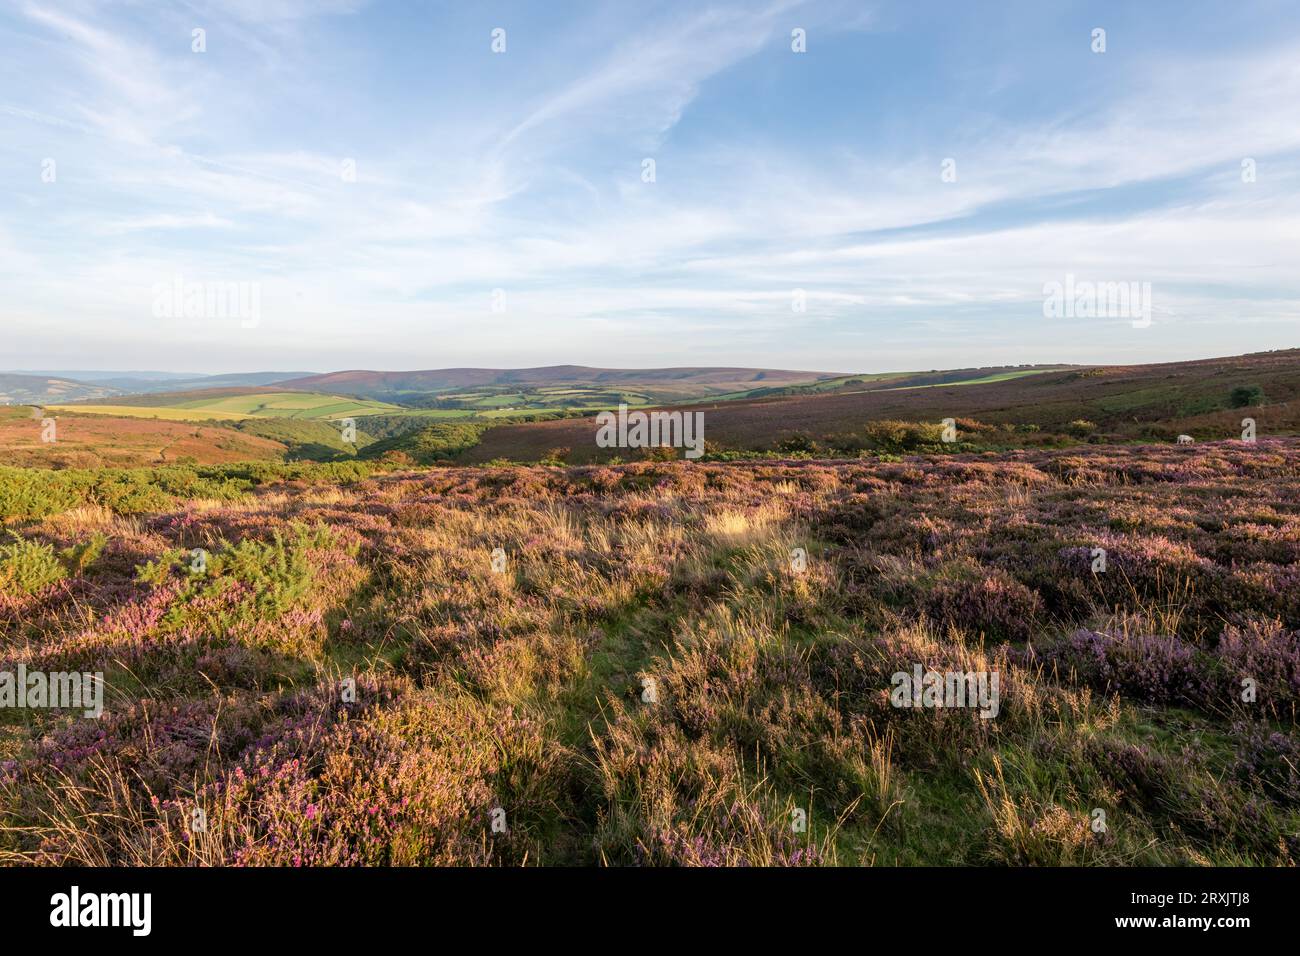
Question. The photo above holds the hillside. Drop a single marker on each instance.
(666, 381)
(1122, 403)
(832, 416)
(87, 441)
(19, 389)
(48, 387)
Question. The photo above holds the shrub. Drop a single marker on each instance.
(81, 556)
(1244, 396)
(1151, 668)
(441, 441)
(36, 493)
(798, 442)
(658, 453)
(1268, 654)
(28, 566)
(889, 436)
(1267, 760)
(996, 605)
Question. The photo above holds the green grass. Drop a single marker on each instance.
(1139, 399)
(985, 380)
(136, 411)
(308, 405)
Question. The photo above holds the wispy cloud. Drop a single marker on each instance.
(381, 174)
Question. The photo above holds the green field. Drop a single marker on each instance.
(496, 400)
(148, 411)
(253, 405)
(984, 380)
(490, 402)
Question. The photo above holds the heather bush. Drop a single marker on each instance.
(993, 604)
(1150, 668)
(1268, 654)
(1267, 760)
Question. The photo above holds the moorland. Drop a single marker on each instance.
(474, 416)
(469, 641)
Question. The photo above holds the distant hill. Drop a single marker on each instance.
(234, 380)
(26, 389)
(667, 383)
(110, 378)
(546, 413)
(42, 387)
(1121, 403)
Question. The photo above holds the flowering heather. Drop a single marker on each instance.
(662, 663)
(1146, 667)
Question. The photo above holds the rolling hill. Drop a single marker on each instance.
(30, 389)
(528, 415)
(42, 387)
(666, 384)
(1122, 403)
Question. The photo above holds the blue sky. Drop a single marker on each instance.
(499, 214)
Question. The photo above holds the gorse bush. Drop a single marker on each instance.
(798, 442)
(278, 571)
(888, 436)
(900, 437)
(79, 557)
(28, 566)
(35, 493)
